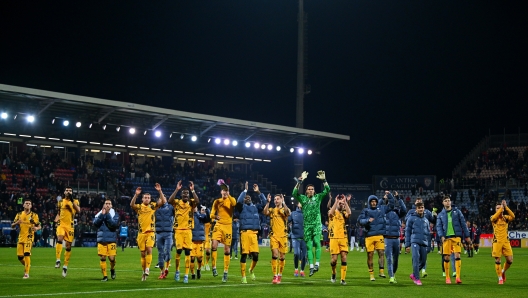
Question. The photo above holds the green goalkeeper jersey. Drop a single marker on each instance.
(311, 207)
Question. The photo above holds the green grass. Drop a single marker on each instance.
(478, 276)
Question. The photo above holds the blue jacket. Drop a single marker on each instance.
(106, 227)
(249, 214)
(417, 230)
(377, 226)
(198, 232)
(297, 224)
(459, 223)
(164, 218)
(392, 219)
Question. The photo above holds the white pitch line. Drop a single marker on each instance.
(129, 290)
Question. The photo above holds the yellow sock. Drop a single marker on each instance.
(381, 271)
(243, 269)
(458, 265)
(343, 272)
(148, 261)
(253, 265)
(67, 255)
(227, 261)
(371, 271)
(281, 266)
(103, 267)
(58, 251)
(446, 269)
(498, 270)
(143, 263)
(214, 254)
(187, 264)
(178, 257)
(27, 264)
(274, 266)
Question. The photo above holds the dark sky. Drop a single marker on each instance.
(416, 84)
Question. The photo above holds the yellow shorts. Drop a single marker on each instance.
(23, 248)
(197, 249)
(500, 249)
(223, 233)
(249, 242)
(279, 243)
(337, 245)
(374, 243)
(66, 232)
(106, 249)
(183, 239)
(145, 240)
(452, 244)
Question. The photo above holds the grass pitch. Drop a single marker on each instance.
(84, 278)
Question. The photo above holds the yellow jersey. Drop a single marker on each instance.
(28, 221)
(67, 213)
(278, 219)
(500, 224)
(183, 214)
(337, 226)
(225, 209)
(146, 218)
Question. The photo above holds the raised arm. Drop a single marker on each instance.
(266, 207)
(195, 196)
(287, 210)
(161, 200)
(242, 195)
(173, 195)
(133, 200)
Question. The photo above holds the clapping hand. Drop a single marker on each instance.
(321, 175)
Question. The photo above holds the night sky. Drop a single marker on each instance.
(416, 84)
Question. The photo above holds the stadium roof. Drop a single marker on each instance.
(50, 109)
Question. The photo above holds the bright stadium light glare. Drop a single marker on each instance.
(53, 121)
(104, 127)
(278, 148)
(65, 122)
(182, 136)
(218, 141)
(226, 142)
(300, 150)
(90, 126)
(270, 146)
(194, 138)
(257, 145)
(292, 150)
(145, 133)
(157, 133)
(4, 115)
(118, 128)
(234, 143)
(132, 130)
(309, 152)
(78, 124)
(263, 146)
(248, 144)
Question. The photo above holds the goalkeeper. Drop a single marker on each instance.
(311, 207)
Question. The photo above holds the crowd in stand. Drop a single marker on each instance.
(40, 183)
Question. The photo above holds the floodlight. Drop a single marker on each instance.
(65, 122)
(309, 152)
(78, 124)
(194, 138)
(234, 143)
(158, 133)
(226, 142)
(300, 150)
(270, 146)
(132, 130)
